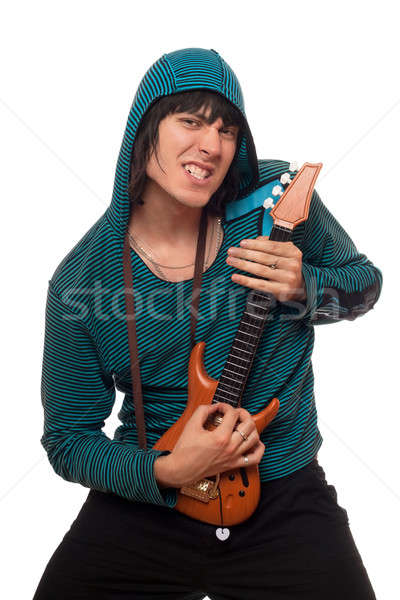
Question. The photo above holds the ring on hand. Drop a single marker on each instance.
(246, 460)
(244, 436)
(273, 266)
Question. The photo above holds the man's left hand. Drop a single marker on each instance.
(256, 256)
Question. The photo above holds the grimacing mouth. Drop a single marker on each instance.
(210, 172)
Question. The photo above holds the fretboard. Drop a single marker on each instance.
(237, 367)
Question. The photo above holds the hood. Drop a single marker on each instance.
(187, 69)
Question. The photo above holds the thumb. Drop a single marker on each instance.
(205, 410)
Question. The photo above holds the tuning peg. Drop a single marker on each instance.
(285, 178)
(293, 166)
(277, 190)
(268, 203)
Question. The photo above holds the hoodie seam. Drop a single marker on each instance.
(165, 56)
(222, 84)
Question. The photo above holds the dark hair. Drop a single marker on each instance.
(147, 138)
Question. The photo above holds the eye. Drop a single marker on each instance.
(230, 131)
(224, 130)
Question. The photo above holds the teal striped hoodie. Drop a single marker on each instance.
(86, 353)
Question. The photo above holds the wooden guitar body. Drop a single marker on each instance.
(239, 489)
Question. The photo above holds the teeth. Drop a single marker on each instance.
(196, 171)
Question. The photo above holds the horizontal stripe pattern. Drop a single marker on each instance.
(86, 352)
(87, 357)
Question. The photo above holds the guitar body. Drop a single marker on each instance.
(239, 489)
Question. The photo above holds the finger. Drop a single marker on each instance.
(245, 420)
(243, 413)
(242, 445)
(260, 256)
(279, 274)
(254, 455)
(289, 249)
(285, 249)
(230, 416)
(281, 291)
(205, 411)
(262, 285)
(245, 428)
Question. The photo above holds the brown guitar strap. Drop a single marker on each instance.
(131, 320)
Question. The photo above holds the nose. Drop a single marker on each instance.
(210, 141)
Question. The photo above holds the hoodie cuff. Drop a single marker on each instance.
(147, 483)
(314, 291)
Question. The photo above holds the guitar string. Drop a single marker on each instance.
(277, 234)
(236, 369)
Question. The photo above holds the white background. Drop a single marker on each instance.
(320, 81)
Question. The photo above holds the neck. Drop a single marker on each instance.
(163, 221)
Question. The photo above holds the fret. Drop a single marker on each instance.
(256, 305)
(226, 401)
(234, 404)
(280, 234)
(239, 341)
(230, 370)
(229, 362)
(250, 315)
(245, 332)
(256, 326)
(260, 306)
(244, 366)
(246, 361)
(227, 376)
(227, 385)
(247, 352)
(226, 392)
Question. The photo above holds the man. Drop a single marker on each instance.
(188, 160)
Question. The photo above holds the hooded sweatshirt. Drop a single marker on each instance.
(86, 352)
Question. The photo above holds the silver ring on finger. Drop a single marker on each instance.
(273, 266)
(244, 436)
(246, 460)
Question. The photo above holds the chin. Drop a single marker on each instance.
(193, 201)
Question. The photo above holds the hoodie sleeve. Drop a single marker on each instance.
(340, 282)
(77, 396)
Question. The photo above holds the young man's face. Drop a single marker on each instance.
(186, 139)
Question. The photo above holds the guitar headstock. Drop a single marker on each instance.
(293, 206)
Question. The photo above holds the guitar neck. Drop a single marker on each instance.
(237, 367)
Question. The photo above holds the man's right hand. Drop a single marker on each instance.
(200, 453)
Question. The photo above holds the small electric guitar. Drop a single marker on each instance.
(231, 497)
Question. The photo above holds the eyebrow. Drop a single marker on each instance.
(204, 120)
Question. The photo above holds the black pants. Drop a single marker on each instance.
(297, 544)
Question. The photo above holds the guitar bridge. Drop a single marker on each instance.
(203, 490)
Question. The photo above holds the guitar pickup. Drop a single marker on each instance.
(245, 479)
